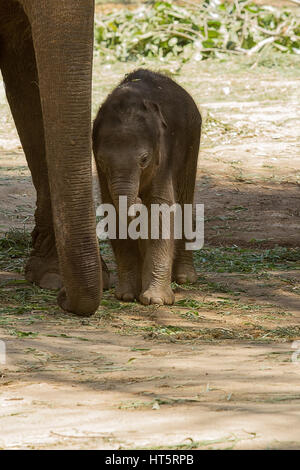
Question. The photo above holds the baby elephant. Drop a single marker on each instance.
(146, 140)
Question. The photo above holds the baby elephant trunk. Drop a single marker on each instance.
(124, 185)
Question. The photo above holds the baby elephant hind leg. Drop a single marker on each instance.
(183, 266)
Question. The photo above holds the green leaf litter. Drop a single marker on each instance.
(214, 27)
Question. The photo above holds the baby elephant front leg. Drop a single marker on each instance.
(129, 276)
(157, 271)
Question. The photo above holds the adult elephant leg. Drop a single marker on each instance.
(21, 83)
(62, 34)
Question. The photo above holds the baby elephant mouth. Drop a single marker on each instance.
(136, 201)
(123, 203)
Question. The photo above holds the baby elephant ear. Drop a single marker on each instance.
(154, 107)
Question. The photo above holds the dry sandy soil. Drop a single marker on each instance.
(220, 368)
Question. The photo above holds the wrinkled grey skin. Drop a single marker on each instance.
(146, 140)
(46, 50)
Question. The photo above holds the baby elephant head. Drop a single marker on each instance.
(127, 142)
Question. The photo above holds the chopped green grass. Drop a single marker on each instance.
(14, 249)
(246, 260)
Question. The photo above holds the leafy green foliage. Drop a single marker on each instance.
(166, 30)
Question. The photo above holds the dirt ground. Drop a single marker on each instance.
(220, 369)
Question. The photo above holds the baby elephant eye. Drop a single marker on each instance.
(143, 160)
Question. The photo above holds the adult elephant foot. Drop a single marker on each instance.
(39, 272)
(44, 272)
(42, 268)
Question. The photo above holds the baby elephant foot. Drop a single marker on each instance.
(185, 274)
(157, 295)
(126, 291)
(125, 296)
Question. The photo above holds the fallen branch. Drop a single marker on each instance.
(259, 46)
